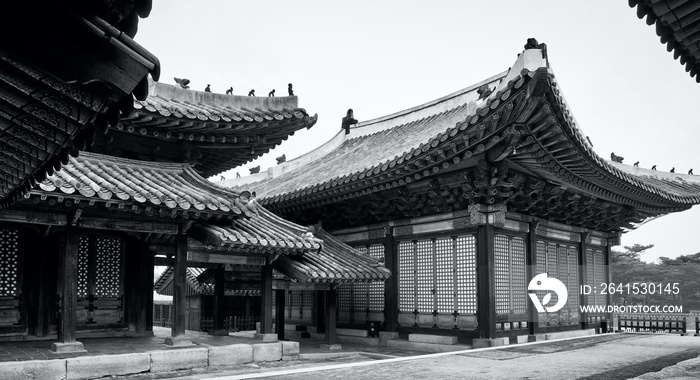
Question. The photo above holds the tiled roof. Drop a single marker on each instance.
(240, 128)
(369, 154)
(61, 74)
(173, 187)
(524, 124)
(301, 260)
(336, 263)
(678, 26)
(262, 232)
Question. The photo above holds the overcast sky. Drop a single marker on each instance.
(378, 57)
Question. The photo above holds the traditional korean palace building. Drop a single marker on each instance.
(77, 250)
(467, 198)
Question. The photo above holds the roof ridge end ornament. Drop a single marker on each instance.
(533, 44)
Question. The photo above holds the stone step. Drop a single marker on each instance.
(432, 339)
(425, 347)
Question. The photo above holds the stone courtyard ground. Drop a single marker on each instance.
(611, 356)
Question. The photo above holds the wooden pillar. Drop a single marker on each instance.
(132, 288)
(219, 301)
(68, 293)
(485, 282)
(248, 301)
(331, 339)
(533, 316)
(582, 279)
(266, 307)
(177, 331)
(145, 318)
(391, 286)
(279, 311)
(608, 296)
(320, 311)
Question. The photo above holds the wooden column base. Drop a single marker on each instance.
(62, 348)
(266, 337)
(178, 342)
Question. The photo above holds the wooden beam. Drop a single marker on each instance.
(33, 217)
(289, 285)
(225, 258)
(127, 225)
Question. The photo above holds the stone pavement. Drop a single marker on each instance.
(608, 357)
(23, 359)
(40, 350)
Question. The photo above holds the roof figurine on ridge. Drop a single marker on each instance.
(183, 82)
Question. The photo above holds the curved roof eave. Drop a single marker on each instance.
(526, 121)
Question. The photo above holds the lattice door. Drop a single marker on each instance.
(425, 288)
(10, 283)
(407, 277)
(501, 250)
(600, 274)
(518, 280)
(100, 279)
(465, 274)
(509, 257)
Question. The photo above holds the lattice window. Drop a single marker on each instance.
(541, 257)
(465, 274)
(501, 250)
(425, 276)
(444, 273)
(9, 262)
(344, 297)
(552, 260)
(83, 265)
(572, 252)
(359, 296)
(407, 279)
(307, 299)
(518, 282)
(294, 299)
(376, 289)
(600, 275)
(590, 278)
(108, 267)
